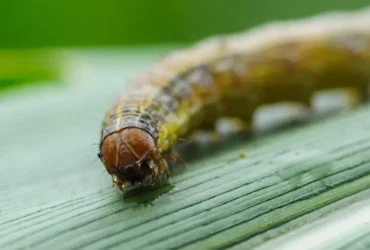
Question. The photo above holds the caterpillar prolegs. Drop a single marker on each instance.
(230, 75)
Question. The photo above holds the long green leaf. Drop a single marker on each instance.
(54, 195)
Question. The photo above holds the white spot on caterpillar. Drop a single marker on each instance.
(200, 75)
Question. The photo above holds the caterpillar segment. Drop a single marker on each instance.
(231, 76)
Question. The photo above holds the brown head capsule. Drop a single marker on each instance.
(130, 156)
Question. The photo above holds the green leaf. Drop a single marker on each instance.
(26, 67)
(56, 194)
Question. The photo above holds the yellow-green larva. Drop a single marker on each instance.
(230, 76)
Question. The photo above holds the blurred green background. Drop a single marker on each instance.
(47, 23)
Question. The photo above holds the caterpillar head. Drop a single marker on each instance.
(130, 156)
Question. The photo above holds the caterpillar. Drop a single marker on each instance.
(230, 75)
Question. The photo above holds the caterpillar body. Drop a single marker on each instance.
(230, 75)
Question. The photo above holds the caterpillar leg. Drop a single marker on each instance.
(175, 156)
(353, 85)
(337, 99)
(231, 125)
(160, 174)
(357, 95)
(281, 114)
(163, 167)
(223, 128)
(205, 137)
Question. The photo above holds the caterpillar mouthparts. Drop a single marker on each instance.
(131, 157)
